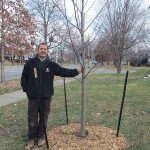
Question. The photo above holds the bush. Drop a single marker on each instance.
(139, 62)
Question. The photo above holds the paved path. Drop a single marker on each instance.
(19, 95)
(12, 97)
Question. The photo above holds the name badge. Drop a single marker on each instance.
(47, 70)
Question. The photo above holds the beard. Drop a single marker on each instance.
(42, 56)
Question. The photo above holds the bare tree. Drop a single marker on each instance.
(2, 41)
(46, 15)
(80, 24)
(124, 23)
(102, 51)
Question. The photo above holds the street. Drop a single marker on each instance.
(14, 72)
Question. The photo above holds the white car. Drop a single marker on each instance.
(91, 63)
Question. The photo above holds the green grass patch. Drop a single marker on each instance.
(104, 94)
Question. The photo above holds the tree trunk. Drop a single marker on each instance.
(84, 101)
(2, 65)
(2, 47)
(117, 64)
(119, 69)
(45, 32)
(12, 58)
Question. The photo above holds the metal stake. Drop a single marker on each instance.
(66, 107)
(121, 109)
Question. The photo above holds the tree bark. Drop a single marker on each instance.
(117, 64)
(84, 101)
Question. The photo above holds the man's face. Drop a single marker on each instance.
(43, 51)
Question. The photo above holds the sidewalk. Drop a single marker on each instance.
(16, 96)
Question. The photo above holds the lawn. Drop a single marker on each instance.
(104, 94)
(10, 86)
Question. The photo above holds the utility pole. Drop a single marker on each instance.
(2, 41)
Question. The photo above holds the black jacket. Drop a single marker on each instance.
(46, 71)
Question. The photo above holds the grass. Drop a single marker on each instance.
(104, 98)
(9, 86)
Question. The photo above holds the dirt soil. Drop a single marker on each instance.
(98, 138)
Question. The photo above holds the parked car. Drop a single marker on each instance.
(91, 63)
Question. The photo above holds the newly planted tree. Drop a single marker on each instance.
(81, 25)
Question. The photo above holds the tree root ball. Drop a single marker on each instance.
(97, 138)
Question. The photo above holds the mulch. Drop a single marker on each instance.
(98, 138)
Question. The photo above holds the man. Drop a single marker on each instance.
(46, 70)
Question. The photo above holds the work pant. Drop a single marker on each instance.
(35, 124)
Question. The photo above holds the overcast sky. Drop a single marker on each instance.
(96, 7)
(147, 3)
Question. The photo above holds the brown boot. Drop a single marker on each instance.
(30, 145)
(41, 142)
